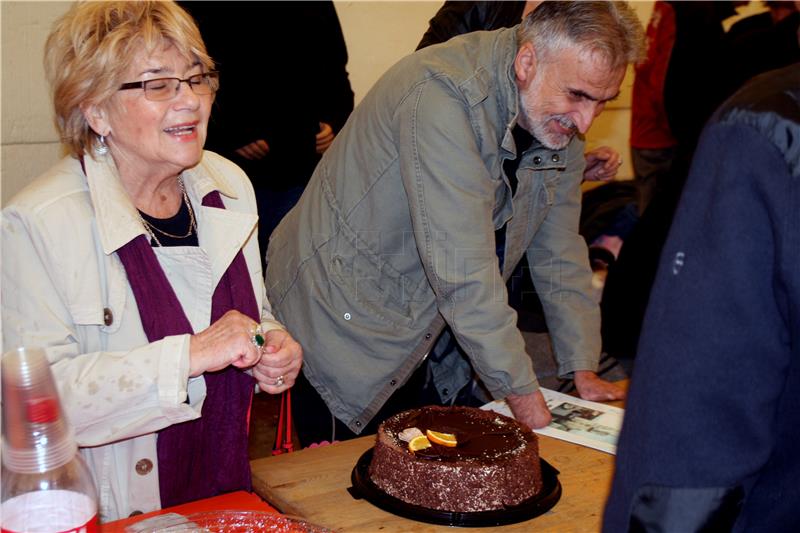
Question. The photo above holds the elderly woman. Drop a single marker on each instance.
(135, 263)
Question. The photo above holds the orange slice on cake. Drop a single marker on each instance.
(419, 443)
(445, 439)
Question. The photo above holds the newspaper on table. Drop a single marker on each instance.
(592, 424)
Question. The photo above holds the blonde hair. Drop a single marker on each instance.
(610, 29)
(94, 44)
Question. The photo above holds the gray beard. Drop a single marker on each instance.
(538, 128)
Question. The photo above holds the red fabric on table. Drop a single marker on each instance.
(233, 501)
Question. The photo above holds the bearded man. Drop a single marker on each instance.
(463, 157)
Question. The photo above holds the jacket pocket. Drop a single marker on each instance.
(369, 281)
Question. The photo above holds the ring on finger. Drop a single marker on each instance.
(279, 381)
(257, 338)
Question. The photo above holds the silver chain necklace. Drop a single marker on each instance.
(192, 223)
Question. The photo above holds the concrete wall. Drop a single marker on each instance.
(30, 144)
(378, 33)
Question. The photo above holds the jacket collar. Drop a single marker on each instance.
(117, 218)
(224, 231)
(508, 92)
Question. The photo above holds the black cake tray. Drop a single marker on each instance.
(363, 487)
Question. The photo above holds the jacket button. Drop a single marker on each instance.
(108, 316)
(428, 336)
(537, 160)
(358, 423)
(393, 382)
(347, 316)
(135, 513)
(445, 391)
(144, 466)
(555, 158)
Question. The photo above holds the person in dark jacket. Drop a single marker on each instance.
(711, 429)
(274, 115)
(777, 11)
(455, 18)
(762, 42)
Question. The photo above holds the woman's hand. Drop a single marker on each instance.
(281, 359)
(228, 341)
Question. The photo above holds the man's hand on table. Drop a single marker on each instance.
(530, 409)
(592, 387)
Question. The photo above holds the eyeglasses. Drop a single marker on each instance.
(160, 89)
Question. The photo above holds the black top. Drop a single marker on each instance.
(175, 225)
(523, 141)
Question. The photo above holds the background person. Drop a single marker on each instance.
(699, 50)
(762, 42)
(134, 263)
(394, 238)
(273, 115)
(709, 441)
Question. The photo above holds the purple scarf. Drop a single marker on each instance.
(206, 456)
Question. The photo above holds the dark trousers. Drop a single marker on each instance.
(651, 168)
(315, 423)
(273, 204)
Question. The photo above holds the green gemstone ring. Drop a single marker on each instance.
(257, 338)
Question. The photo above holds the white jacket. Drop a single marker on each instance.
(65, 289)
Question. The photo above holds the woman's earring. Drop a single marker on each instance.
(101, 148)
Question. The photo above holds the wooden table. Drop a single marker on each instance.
(312, 484)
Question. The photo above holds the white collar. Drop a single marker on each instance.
(117, 218)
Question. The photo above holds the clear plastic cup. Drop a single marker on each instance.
(36, 435)
(47, 487)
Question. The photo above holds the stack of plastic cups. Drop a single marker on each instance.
(46, 484)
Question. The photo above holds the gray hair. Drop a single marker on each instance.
(610, 29)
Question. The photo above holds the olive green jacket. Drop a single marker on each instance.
(394, 236)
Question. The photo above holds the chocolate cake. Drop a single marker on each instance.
(494, 463)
